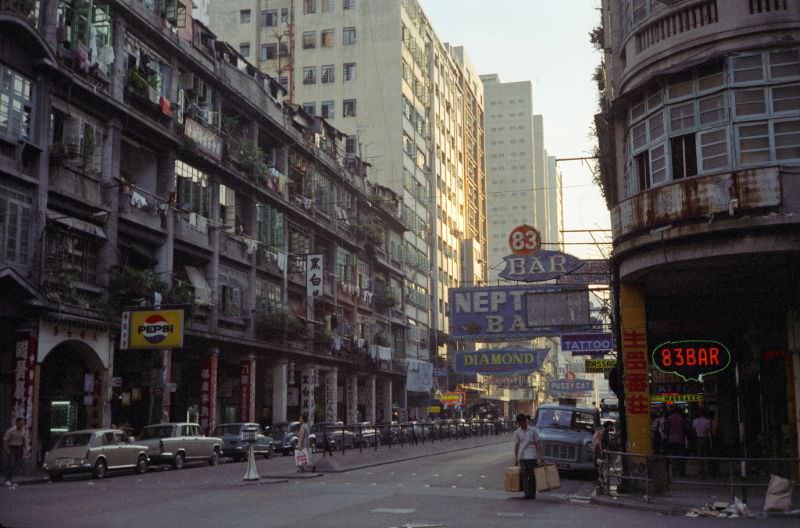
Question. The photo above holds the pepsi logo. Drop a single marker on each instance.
(155, 329)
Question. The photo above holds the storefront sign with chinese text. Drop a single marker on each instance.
(634, 361)
(315, 278)
(691, 359)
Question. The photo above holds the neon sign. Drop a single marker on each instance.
(691, 359)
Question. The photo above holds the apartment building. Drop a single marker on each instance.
(410, 105)
(145, 164)
(523, 182)
(700, 156)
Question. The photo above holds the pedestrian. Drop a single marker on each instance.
(657, 428)
(701, 427)
(677, 432)
(304, 445)
(13, 448)
(527, 450)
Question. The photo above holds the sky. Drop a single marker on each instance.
(545, 42)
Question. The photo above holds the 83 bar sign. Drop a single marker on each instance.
(691, 359)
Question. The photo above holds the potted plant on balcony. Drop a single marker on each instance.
(372, 231)
(389, 298)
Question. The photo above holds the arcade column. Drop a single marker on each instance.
(280, 386)
(331, 396)
(351, 399)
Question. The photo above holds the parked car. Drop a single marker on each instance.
(566, 435)
(366, 434)
(94, 451)
(177, 443)
(335, 433)
(235, 448)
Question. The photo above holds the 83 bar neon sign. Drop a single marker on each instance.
(691, 359)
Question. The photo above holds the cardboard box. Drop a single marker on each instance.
(547, 477)
(512, 482)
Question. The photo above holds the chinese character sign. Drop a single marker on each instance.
(246, 379)
(208, 393)
(315, 276)
(24, 384)
(634, 361)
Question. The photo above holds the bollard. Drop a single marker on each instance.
(249, 435)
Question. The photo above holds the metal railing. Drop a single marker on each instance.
(656, 474)
(335, 438)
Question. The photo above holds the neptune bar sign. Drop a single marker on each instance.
(541, 266)
(501, 361)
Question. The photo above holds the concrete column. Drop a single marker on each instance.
(331, 396)
(280, 385)
(307, 385)
(214, 242)
(208, 390)
(384, 407)
(247, 385)
(165, 184)
(351, 399)
(166, 372)
(369, 403)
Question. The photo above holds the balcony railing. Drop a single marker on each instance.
(27, 9)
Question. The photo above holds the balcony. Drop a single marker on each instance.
(193, 229)
(237, 248)
(142, 207)
(72, 182)
(26, 9)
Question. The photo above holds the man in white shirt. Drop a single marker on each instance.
(527, 450)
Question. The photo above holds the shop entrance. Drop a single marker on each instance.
(70, 391)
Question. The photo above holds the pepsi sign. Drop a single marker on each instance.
(152, 329)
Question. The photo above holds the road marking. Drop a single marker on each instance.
(427, 485)
(401, 511)
(483, 476)
(480, 487)
(510, 514)
(459, 475)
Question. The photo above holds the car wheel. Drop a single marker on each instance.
(141, 464)
(177, 462)
(55, 477)
(213, 460)
(100, 469)
(268, 453)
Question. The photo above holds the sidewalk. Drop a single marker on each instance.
(685, 499)
(282, 467)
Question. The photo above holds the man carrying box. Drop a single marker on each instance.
(527, 450)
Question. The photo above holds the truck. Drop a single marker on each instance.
(179, 442)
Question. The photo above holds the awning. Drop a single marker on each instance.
(202, 291)
(78, 224)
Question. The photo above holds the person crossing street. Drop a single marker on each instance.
(527, 451)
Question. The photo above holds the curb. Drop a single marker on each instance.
(405, 459)
(666, 509)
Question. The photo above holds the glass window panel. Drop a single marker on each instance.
(784, 63)
(682, 116)
(750, 102)
(710, 77)
(748, 68)
(680, 86)
(656, 125)
(655, 99)
(639, 133)
(658, 164)
(786, 98)
(714, 149)
(753, 143)
(787, 140)
(712, 109)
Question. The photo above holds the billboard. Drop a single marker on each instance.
(587, 344)
(419, 375)
(146, 329)
(517, 312)
(501, 361)
(540, 266)
(563, 387)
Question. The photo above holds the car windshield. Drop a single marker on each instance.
(156, 432)
(221, 430)
(74, 440)
(565, 419)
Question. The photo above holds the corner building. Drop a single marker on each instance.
(142, 161)
(700, 157)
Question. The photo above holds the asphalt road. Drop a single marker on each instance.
(453, 490)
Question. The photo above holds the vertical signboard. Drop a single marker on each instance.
(634, 361)
(315, 279)
(246, 382)
(208, 393)
(24, 384)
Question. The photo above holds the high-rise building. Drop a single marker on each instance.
(409, 104)
(523, 183)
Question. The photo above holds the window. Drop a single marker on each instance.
(784, 63)
(787, 140)
(244, 16)
(284, 15)
(73, 253)
(269, 51)
(684, 157)
(348, 4)
(750, 102)
(714, 149)
(269, 226)
(711, 76)
(269, 18)
(16, 94)
(309, 6)
(682, 117)
(712, 109)
(748, 68)
(283, 49)
(349, 107)
(349, 71)
(327, 37)
(309, 39)
(349, 36)
(244, 49)
(328, 110)
(310, 108)
(327, 73)
(753, 142)
(350, 144)
(680, 85)
(656, 126)
(193, 191)
(15, 218)
(786, 98)
(284, 81)
(327, 6)
(309, 75)
(642, 165)
(639, 134)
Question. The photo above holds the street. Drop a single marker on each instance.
(457, 489)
